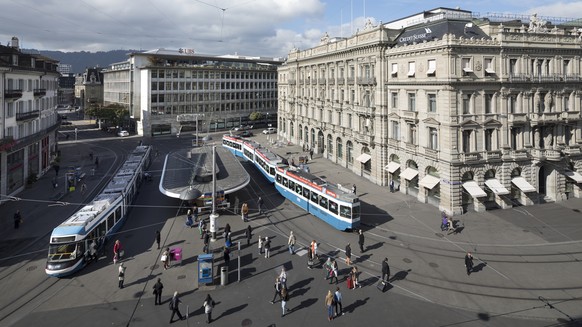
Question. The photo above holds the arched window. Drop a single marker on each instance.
(340, 148)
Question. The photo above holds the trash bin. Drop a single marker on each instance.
(176, 256)
(223, 276)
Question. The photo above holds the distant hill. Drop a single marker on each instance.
(84, 59)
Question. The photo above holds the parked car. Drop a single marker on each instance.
(270, 130)
(123, 133)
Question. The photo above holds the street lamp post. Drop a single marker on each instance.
(213, 215)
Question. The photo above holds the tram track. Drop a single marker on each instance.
(22, 282)
(427, 282)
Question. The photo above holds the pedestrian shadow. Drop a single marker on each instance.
(298, 292)
(362, 258)
(479, 267)
(142, 280)
(169, 245)
(401, 275)
(305, 304)
(231, 311)
(374, 246)
(353, 306)
(301, 283)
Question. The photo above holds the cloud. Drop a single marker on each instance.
(559, 9)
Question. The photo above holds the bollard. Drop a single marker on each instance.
(223, 276)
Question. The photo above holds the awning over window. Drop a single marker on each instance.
(392, 166)
(522, 184)
(431, 70)
(489, 70)
(473, 188)
(467, 70)
(429, 181)
(496, 187)
(364, 157)
(409, 173)
(574, 176)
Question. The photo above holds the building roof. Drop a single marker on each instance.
(192, 169)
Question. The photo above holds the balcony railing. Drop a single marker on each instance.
(518, 154)
(321, 81)
(573, 149)
(431, 153)
(22, 116)
(492, 155)
(350, 80)
(406, 114)
(518, 118)
(39, 92)
(292, 81)
(331, 81)
(363, 137)
(341, 81)
(12, 94)
(366, 80)
(571, 115)
(468, 157)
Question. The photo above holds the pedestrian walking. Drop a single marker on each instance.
(291, 243)
(166, 258)
(228, 240)
(361, 240)
(158, 238)
(83, 189)
(245, 212)
(93, 250)
(469, 263)
(121, 274)
(208, 306)
(337, 297)
(226, 257)
(348, 255)
(201, 227)
(249, 234)
(334, 272)
(354, 274)
(17, 219)
(57, 168)
(277, 289)
(329, 305)
(260, 245)
(354, 188)
(260, 204)
(117, 251)
(267, 247)
(96, 161)
(392, 186)
(314, 250)
(311, 154)
(206, 242)
(175, 307)
(158, 287)
(284, 299)
(385, 271)
(195, 211)
(55, 184)
(226, 230)
(189, 221)
(283, 277)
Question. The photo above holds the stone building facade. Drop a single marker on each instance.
(457, 110)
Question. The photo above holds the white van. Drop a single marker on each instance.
(270, 130)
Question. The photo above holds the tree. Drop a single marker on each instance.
(254, 116)
(113, 113)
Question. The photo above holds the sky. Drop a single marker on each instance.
(268, 28)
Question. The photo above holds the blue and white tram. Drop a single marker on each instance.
(338, 207)
(326, 201)
(99, 219)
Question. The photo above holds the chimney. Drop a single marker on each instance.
(14, 42)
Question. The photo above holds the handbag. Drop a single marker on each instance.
(121, 253)
(164, 257)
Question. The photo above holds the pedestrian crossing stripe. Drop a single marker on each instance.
(301, 252)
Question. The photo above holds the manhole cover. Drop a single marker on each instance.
(246, 322)
(441, 235)
(526, 231)
(181, 277)
(433, 265)
(31, 268)
(155, 267)
(392, 237)
(407, 260)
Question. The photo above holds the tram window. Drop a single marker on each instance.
(278, 178)
(306, 193)
(345, 212)
(356, 212)
(333, 207)
(314, 197)
(272, 171)
(291, 185)
(101, 230)
(323, 201)
(298, 189)
(285, 182)
(117, 214)
(110, 221)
